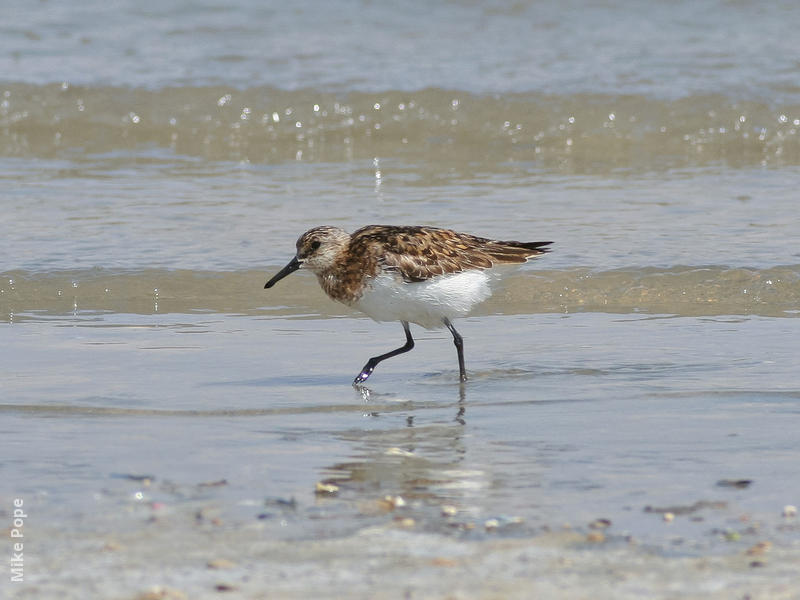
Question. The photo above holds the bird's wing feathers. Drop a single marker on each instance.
(419, 253)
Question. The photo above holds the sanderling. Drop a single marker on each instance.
(422, 275)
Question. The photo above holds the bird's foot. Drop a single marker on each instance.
(363, 376)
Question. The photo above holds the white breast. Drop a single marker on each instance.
(426, 303)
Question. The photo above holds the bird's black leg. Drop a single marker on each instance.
(373, 362)
(459, 342)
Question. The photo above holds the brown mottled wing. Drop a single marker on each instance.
(419, 253)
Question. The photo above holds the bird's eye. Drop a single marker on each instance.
(315, 245)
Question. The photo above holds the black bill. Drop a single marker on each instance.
(293, 265)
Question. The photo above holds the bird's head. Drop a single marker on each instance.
(317, 250)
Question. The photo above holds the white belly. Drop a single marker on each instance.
(425, 303)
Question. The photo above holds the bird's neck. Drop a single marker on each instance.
(343, 281)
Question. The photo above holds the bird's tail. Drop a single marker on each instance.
(515, 252)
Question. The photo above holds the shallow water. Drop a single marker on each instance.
(112, 420)
(566, 396)
(157, 164)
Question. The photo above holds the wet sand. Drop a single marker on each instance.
(635, 456)
(177, 556)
